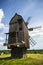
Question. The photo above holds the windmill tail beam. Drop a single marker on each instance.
(31, 29)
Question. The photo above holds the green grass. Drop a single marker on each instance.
(32, 59)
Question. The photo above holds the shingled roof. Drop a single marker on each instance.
(15, 18)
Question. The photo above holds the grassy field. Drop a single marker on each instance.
(32, 59)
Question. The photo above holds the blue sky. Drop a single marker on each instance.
(26, 8)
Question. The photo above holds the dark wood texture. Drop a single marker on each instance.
(18, 52)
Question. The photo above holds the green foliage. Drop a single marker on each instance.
(35, 51)
(32, 59)
(5, 51)
(28, 51)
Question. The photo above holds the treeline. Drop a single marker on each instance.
(35, 51)
(28, 51)
(5, 51)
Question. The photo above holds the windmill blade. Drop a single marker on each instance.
(27, 22)
(33, 42)
(28, 19)
(31, 29)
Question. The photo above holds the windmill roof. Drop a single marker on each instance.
(15, 18)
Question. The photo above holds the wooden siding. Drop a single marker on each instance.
(26, 35)
(21, 36)
(14, 27)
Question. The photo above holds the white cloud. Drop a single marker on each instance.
(2, 34)
(1, 38)
(1, 17)
(37, 32)
(1, 25)
(6, 28)
(2, 47)
(1, 44)
(1, 14)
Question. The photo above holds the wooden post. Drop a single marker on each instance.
(6, 39)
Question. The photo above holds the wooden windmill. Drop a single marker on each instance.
(18, 37)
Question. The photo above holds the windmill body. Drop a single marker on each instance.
(18, 37)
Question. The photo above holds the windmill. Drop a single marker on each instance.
(17, 39)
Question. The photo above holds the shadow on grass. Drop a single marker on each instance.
(6, 58)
